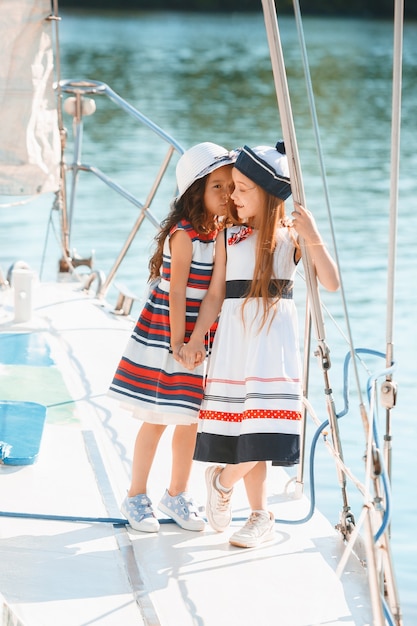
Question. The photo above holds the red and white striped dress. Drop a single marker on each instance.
(158, 388)
(252, 406)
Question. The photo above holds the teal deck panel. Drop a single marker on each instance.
(21, 428)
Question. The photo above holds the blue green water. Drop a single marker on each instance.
(208, 78)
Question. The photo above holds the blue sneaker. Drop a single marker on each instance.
(139, 513)
(182, 510)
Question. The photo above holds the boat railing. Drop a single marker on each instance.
(79, 105)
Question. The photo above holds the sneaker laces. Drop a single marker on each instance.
(254, 521)
(224, 500)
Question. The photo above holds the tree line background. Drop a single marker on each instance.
(379, 9)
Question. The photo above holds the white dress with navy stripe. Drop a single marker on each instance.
(252, 404)
(148, 379)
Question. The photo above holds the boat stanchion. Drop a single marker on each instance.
(125, 300)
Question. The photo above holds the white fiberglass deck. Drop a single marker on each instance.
(84, 573)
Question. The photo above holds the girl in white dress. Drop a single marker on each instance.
(252, 406)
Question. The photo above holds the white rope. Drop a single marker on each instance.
(65, 226)
(18, 202)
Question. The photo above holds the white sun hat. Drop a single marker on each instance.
(199, 161)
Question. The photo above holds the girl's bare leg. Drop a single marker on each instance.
(255, 485)
(183, 444)
(232, 473)
(146, 444)
(260, 526)
(254, 475)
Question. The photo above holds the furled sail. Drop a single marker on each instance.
(29, 134)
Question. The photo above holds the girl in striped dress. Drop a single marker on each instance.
(252, 403)
(150, 377)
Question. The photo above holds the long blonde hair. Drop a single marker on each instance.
(272, 217)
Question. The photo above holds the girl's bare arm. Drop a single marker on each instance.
(193, 352)
(181, 255)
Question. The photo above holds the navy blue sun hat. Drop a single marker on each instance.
(267, 167)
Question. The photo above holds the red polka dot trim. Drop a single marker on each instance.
(250, 414)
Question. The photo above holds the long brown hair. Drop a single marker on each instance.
(272, 217)
(190, 206)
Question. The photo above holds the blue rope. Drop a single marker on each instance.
(69, 518)
(387, 491)
(387, 613)
(387, 513)
(303, 520)
(310, 514)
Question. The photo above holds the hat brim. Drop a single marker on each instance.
(227, 159)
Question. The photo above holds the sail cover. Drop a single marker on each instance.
(29, 134)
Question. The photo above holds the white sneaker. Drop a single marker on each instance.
(218, 509)
(139, 513)
(182, 510)
(258, 529)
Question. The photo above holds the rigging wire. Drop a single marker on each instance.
(319, 149)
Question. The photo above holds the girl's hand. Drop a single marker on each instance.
(192, 354)
(305, 225)
(176, 352)
(325, 268)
